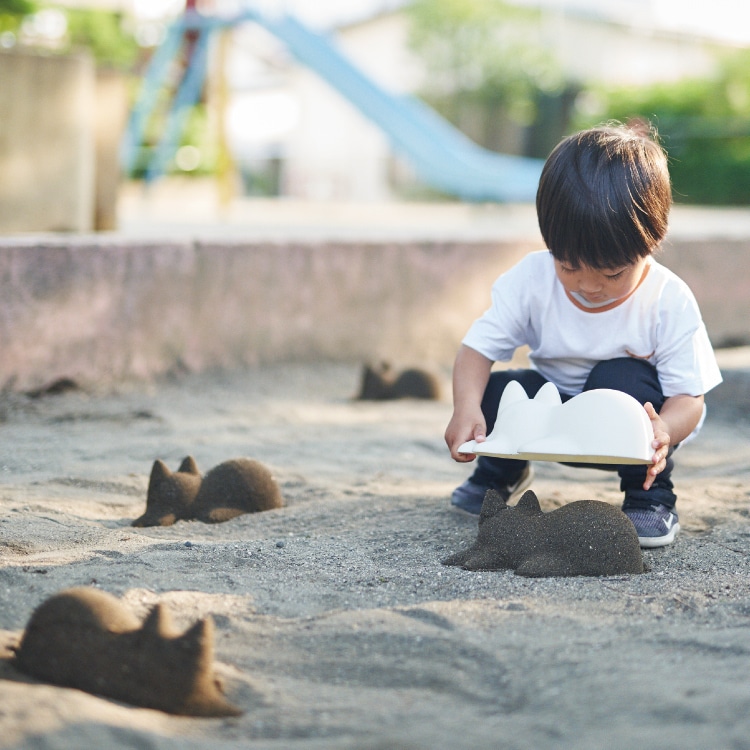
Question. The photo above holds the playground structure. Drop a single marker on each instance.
(441, 155)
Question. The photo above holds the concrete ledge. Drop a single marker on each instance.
(718, 272)
(108, 308)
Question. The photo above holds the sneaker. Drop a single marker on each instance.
(469, 496)
(656, 526)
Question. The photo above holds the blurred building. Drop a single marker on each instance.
(289, 132)
(61, 120)
(292, 134)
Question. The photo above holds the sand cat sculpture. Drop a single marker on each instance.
(230, 489)
(583, 538)
(87, 639)
(382, 384)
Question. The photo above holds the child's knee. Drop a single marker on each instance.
(636, 377)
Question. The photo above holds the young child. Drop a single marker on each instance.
(597, 311)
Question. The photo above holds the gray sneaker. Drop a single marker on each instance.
(656, 526)
(469, 496)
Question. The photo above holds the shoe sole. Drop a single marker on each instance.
(456, 509)
(651, 542)
(523, 485)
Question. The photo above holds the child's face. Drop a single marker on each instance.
(600, 285)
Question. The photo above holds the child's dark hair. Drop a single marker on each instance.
(604, 197)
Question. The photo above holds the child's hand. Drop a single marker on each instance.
(660, 444)
(461, 429)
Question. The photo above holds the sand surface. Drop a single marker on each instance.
(336, 624)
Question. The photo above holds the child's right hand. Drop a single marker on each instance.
(462, 428)
(470, 375)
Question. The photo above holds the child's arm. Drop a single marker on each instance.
(471, 372)
(679, 416)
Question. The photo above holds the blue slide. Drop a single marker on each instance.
(442, 156)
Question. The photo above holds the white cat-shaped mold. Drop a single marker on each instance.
(597, 426)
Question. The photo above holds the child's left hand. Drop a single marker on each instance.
(660, 444)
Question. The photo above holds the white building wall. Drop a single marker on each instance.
(381, 49)
(595, 51)
(334, 153)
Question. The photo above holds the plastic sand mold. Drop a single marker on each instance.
(601, 426)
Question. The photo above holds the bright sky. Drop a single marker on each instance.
(728, 19)
(317, 12)
(330, 11)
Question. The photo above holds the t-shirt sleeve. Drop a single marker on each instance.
(504, 325)
(685, 359)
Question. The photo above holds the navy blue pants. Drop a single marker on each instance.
(635, 377)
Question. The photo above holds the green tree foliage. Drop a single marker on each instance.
(12, 13)
(484, 57)
(704, 125)
(103, 34)
(17, 7)
(485, 47)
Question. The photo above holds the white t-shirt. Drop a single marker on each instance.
(659, 322)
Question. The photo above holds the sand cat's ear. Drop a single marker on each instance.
(199, 639)
(529, 503)
(188, 466)
(493, 503)
(159, 472)
(158, 622)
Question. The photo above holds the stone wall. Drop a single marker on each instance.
(718, 272)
